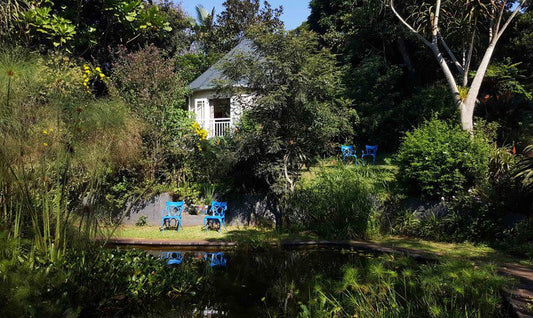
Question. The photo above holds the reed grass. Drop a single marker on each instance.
(58, 145)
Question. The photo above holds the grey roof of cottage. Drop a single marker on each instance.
(208, 79)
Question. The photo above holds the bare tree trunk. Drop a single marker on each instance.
(467, 116)
(468, 60)
(447, 73)
(286, 173)
(471, 99)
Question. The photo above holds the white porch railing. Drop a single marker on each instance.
(219, 127)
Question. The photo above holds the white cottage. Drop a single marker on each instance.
(217, 112)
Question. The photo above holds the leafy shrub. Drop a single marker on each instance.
(476, 215)
(518, 240)
(88, 282)
(147, 81)
(440, 159)
(296, 117)
(335, 203)
(142, 221)
(466, 220)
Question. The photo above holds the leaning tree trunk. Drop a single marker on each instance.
(467, 107)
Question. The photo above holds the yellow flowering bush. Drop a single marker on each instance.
(90, 75)
(199, 131)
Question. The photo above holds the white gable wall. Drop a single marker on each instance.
(205, 116)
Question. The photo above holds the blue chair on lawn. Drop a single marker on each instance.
(370, 151)
(171, 212)
(217, 213)
(347, 152)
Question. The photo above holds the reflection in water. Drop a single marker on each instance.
(173, 258)
(244, 283)
(216, 259)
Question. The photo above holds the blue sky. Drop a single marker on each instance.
(294, 11)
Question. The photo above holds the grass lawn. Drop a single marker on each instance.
(474, 252)
(469, 251)
(198, 233)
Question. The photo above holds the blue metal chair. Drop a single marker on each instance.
(173, 258)
(217, 213)
(347, 152)
(370, 151)
(216, 259)
(171, 212)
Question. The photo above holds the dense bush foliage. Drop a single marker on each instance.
(493, 212)
(298, 112)
(440, 159)
(147, 81)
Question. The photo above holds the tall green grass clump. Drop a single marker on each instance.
(338, 202)
(398, 287)
(59, 143)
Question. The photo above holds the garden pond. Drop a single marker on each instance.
(287, 282)
(252, 283)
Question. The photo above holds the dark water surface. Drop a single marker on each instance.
(246, 283)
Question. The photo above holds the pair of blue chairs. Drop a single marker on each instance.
(216, 213)
(172, 211)
(348, 152)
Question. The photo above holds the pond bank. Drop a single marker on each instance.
(363, 245)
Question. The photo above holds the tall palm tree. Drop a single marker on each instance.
(204, 27)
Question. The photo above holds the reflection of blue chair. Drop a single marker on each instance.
(217, 213)
(347, 152)
(171, 212)
(370, 151)
(216, 259)
(174, 258)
